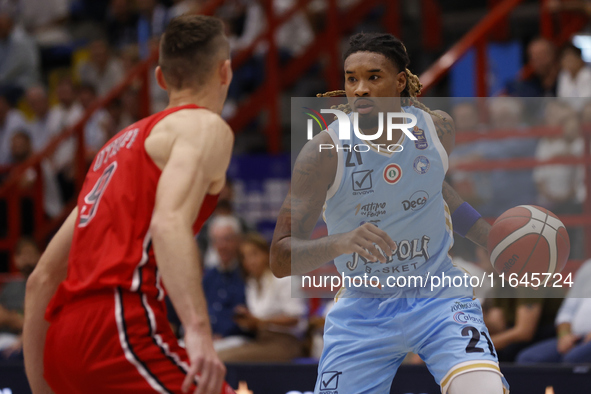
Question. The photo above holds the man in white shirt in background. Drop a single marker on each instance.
(573, 324)
(574, 80)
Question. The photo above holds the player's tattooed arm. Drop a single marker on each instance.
(446, 130)
(292, 251)
(479, 231)
(314, 171)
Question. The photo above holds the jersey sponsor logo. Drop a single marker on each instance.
(416, 202)
(421, 140)
(463, 318)
(329, 381)
(421, 165)
(362, 182)
(392, 174)
(459, 306)
(371, 210)
(402, 251)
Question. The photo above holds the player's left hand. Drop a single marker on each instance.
(205, 363)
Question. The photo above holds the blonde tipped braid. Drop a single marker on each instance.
(413, 89)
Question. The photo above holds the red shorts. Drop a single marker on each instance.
(114, 343)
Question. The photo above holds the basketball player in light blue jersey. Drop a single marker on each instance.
(388, 216)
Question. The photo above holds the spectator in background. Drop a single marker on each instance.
(102, 70)
(180, 7)
(120, 118)
(98, 126)
(541, 55)
(20, 150)
(573, 325)
(45, 20)
(153, 18)
(294, 36)
(65, 114)
(224, 207)
(19, 56)
(574, 79)
(121, 24)
(20, 147)
(244, 21)
(507, 113)
(11, 121)
(518, 322)
(271, 313)
(38, 101)
(12, 298)
(561, 187)
(473, 186)
(570, 5)
(223, 285)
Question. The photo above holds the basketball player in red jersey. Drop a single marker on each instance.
(95, 320)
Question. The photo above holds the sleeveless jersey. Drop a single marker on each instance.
(401, 193)
(112, 246)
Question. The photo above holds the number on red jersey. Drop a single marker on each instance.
(92, 199)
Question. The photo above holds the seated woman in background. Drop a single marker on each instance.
(276, 318)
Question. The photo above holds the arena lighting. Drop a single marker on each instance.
(583, 41)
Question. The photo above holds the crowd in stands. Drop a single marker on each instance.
(556, 95)
(58, 56)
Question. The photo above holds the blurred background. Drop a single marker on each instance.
(75, 72)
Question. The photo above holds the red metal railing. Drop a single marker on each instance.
(478, 37)
(265, 99)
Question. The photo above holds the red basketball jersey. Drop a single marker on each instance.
(111, 247)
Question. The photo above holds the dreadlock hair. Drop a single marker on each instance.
(394, 50)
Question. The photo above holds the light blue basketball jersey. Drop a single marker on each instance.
(399, 192)
(366, 339)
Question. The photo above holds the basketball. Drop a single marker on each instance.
(528, 239)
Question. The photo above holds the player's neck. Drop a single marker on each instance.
(203, 98)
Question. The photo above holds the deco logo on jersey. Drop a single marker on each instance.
(416, 202)
(329, 381)
(362, 182)
(421, 165)
(421, 140)
(392, 174)
(463, 318)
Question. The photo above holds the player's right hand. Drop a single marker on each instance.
(363, 241)
(205, 364)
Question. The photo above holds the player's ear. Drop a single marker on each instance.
(160, 78)
(225, 71)
(401, 82)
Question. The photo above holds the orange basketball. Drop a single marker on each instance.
(528, 239)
